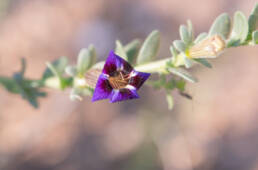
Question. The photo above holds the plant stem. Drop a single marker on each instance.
(153, 67)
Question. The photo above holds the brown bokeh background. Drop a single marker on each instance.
(216, 130)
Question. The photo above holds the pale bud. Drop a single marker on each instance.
(208, 48)
(91, 77)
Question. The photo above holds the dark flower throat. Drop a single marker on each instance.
(119, 80)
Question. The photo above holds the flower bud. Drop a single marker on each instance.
(91, 77)
(208, 48)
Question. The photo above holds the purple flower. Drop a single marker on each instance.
(118, 80)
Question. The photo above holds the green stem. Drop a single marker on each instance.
(153, 67)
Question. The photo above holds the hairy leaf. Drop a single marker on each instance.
(149, 48)
(185, 35)
(179, 45)
(86, 59)
(204, 62)
(132, 50)
(170, 101)
(183, 74)
(221, 26)
(200, 37)
(120, 50)
(240, 28)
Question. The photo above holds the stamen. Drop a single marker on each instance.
(119, 81)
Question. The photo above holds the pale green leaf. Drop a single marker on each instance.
(190, 29)
(120, 50)
(252, 21)
(188, 62)
(179, 45)
(200, 37)
(185, 35)
(240, 28)
(71, 71)
(170, 101)
(252, 24)
(255, 10)
(56, 70)
(183, 74)
(149, 48)
(132, 50)
(75, 95)
(59, 66)
(93, 54)
(255, 37)
(221, 26)
(173, 51)
(204, 62)
(86, 59)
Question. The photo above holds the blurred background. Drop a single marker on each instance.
(216, 130)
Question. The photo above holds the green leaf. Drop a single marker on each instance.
(190, 29)
(59, 65)
(56, 70)
(252, 24)
(77, 93)
(31, 95)
(120, 50)
(173, 51)
(93, 54)
(255, 10)
(233, 43)
(200, 37)
(23, 61)
(240, 29)
(255, 37)
(183, 74)
(221, 26)
(204, 62)
(253, 21)
(131, 50)
(161, 82)
(171, 84)
(170, 101)
(179, 45)
(180, 85)
(86, 59)
(71, 71)
(9, 84)
(53, 82)
(74, 95)
(26, 89)
(188, 62)
(149, 48)
(185, 35)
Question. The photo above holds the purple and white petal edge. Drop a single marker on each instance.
(123, 94)
(102, 89)
(138, 78)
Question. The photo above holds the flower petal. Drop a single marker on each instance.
(114, 63)
(123, 94)
(138, 78)
(102, 89)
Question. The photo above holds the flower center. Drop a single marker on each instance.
(119, 80)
